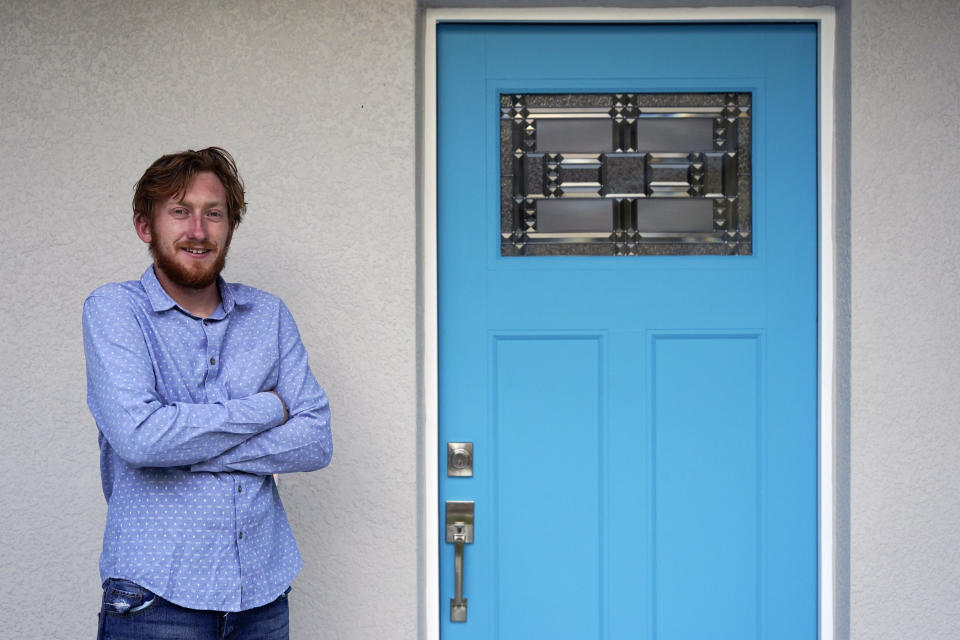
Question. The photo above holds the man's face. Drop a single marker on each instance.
(190, 233)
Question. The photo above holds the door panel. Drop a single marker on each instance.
(537, 419)
(644, 427)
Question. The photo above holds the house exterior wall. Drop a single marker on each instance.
(905, 310)
(318, 101)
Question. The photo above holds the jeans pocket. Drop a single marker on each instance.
(123, 597)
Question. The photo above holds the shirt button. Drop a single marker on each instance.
(240, 535)
(213, 361)
(239, 488)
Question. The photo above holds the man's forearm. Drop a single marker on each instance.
(182, 434)
(302, 443)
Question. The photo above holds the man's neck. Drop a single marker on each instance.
(199, 302)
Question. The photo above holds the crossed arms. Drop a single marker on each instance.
(247, 434)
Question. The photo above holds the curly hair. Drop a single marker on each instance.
(171, 174)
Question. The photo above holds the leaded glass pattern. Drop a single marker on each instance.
(625, 174)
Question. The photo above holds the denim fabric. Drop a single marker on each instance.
(130, 612)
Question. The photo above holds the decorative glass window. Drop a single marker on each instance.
(625, 174)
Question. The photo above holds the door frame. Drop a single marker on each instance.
(825, 19)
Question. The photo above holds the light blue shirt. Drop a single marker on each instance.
(189, 438)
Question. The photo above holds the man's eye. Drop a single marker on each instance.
(215, 214)
(179, 211)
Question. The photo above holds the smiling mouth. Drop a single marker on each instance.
(196, 251)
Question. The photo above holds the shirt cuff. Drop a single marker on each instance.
(272, 406)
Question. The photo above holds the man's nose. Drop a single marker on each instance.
(198, 228)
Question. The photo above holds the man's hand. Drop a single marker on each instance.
(286, 414)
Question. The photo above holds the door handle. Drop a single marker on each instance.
(460, 533)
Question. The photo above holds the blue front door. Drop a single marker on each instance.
(644, 426)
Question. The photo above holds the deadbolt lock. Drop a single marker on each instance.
(460, 459)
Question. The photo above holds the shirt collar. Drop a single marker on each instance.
(229, 295)
(160, 300)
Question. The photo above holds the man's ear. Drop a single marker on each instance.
(142, 225)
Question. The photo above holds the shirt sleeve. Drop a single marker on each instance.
(304, 441)
(122, 396)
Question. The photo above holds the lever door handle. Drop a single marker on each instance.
(460, 533)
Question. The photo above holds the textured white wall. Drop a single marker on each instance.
(316, 101)
(905, 461)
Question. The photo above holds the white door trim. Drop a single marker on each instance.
(429, 490)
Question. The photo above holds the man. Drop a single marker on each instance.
(201, 391)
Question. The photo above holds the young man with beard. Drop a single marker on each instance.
(201, 391)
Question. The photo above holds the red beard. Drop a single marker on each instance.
(197, 277)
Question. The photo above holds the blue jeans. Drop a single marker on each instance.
(130, 612)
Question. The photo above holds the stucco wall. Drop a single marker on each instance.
(316, 101)
(905, 455)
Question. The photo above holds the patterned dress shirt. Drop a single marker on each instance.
(189, 437)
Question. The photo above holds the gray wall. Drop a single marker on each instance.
(905, 453)
(317, 102)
